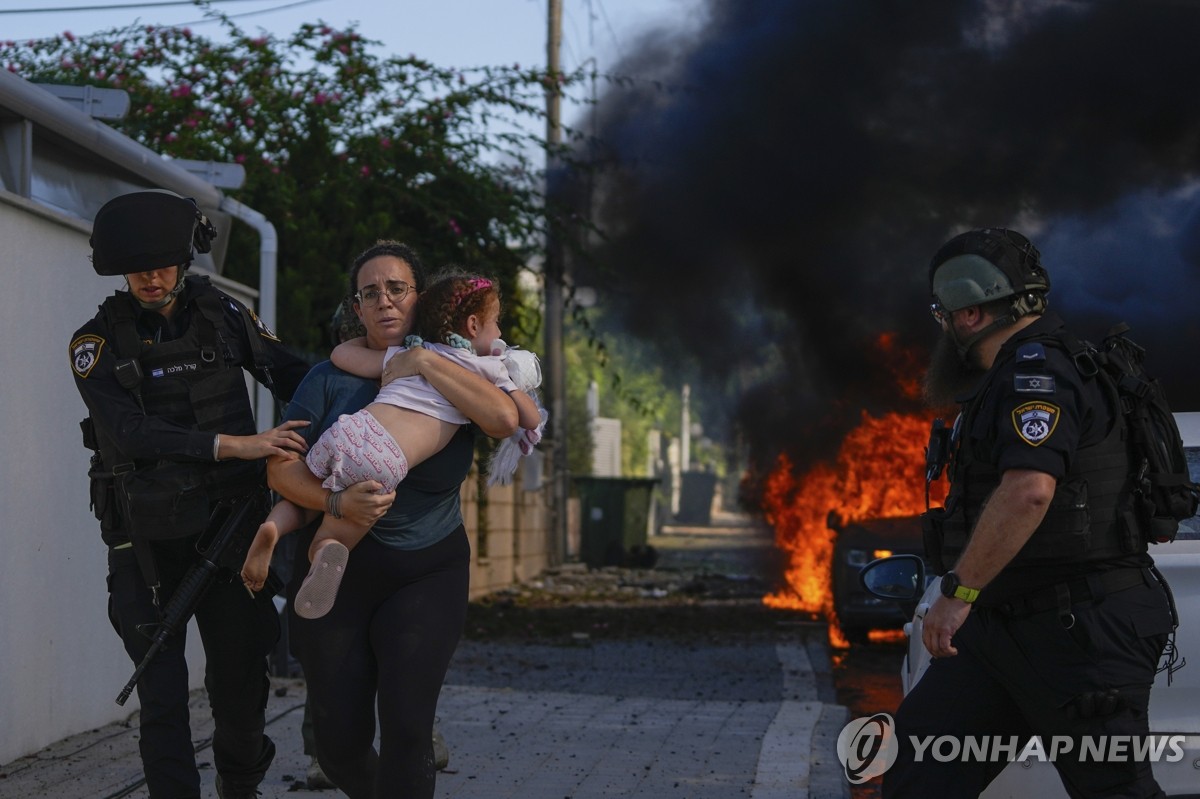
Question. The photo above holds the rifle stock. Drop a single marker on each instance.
(236, 521)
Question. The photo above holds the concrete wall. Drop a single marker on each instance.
(511, 545)
(61, 664)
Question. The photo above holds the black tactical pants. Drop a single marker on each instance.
(1035, 675)
(237, 632)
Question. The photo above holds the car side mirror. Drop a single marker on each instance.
(899, 577)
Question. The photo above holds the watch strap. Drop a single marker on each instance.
(967, 595)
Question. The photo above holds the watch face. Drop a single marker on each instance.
(949, 583)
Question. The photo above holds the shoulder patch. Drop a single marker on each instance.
(1031, 351)
(85, 352)
(1035, 422)
(1033, 384)
(263, 330)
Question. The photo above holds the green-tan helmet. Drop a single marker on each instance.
(981, 266)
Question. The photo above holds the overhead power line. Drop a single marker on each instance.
(116, 7)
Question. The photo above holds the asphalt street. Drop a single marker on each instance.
(616, 698)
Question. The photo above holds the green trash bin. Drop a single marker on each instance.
(614, 515)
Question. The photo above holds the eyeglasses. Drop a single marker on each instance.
(940, 314)
(396, 292)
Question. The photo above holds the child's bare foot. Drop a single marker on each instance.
(319, 589)
(258, 556)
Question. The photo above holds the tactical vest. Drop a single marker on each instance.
(1085, 521)
(194, 382)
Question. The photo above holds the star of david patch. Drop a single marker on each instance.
(1033, 384)
(1035, 422)
(85, 352)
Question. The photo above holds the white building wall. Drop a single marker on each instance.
(61, 663)
(606, 447)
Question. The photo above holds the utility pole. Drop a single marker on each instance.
(553, 283)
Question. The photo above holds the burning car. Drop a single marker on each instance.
(857, 544)
(1175, 698)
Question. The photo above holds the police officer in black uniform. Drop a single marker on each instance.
(1052, 620)
(160, 369)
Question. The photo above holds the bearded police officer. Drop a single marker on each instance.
(160, 369)
(1052, 621)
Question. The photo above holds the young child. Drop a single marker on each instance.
(407, 422)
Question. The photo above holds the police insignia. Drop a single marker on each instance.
(85, 351)
(263, 330)
(1035, 421)
(1033, 384)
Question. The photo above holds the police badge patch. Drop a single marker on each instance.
(263, 330)
(1035, 421)
(85, 351)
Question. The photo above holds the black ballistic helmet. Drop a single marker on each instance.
(988, 264)
(148, 230)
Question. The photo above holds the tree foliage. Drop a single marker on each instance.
(340, 146)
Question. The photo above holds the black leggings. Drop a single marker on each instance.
(391, 633)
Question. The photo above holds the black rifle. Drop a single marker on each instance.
(236, 520)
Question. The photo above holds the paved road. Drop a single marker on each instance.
(577, 715)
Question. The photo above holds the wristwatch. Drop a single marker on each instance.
(953, 589)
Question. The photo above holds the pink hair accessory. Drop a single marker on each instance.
(474, 284)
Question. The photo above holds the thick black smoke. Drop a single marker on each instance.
(804, 159)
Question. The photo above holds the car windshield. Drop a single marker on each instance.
(1190, 529)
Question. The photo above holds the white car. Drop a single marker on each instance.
(1174, 708)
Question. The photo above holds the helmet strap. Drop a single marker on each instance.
(964, 346)
(1022, 305)
(167, 298)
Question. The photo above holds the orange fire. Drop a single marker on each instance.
(879, 473)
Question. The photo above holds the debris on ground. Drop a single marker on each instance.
(571, 604)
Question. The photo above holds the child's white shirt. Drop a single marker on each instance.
(418, 394)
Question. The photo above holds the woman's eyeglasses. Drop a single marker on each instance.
(371, 296)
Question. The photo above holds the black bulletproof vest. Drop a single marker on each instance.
(1085, 521)
(193, 381)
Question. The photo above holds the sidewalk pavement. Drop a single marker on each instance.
(591, 719)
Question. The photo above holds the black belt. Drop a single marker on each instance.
(1082, 589)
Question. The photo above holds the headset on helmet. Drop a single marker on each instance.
(988, 264)
(148, 230)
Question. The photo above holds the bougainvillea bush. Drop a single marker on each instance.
(340, 145)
